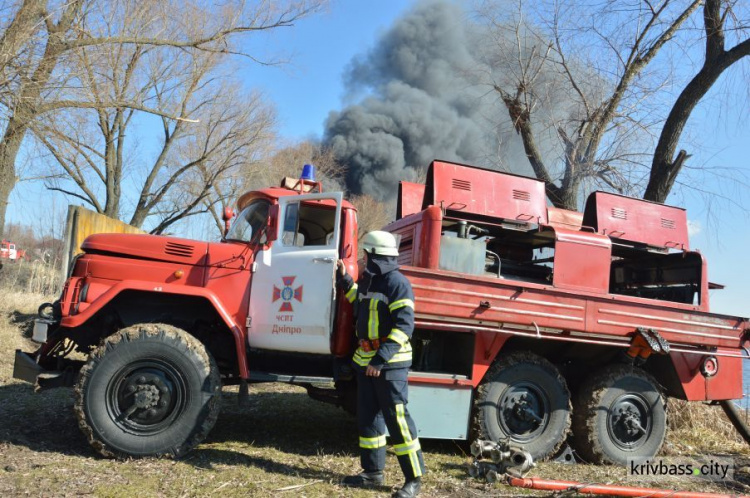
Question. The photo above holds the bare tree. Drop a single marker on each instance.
(237, 130)
(720, 20)
(578, 84)
(41, 36)
(217, 129)
(287, 161)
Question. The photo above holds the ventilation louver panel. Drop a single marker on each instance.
(637, 220)
(176, 249)
(669, 224)
(619, 213)
(465, 190)
(461, 184)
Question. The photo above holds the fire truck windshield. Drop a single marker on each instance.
(250, 222)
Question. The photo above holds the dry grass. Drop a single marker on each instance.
(698, 428)
(285, 444)
(35, 277)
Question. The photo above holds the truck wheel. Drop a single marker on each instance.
(619, 413)
(149, 390)
(524, 398)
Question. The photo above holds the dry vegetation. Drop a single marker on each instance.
(285, 444)
(33, 278)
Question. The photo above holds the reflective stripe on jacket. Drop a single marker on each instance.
(385, 311)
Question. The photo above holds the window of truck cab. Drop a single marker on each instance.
(250, 222)
(308, 224)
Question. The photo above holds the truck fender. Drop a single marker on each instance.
(139, 285)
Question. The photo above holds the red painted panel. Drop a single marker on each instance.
(486, 347)
(727, 383)
(233, 287)
(485, 192)
(636, 220)
(189, 252)
(564, 218)
(448, 295)
(686, 366)
(410, 197)
(115, 269)
(442, 295)
(343, 327)
(582, 261)
(428, 254)
(273, 193)
(623, 315)
(414, 378)
(237, 331)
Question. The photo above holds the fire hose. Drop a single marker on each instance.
(603, 489)
(493, 460)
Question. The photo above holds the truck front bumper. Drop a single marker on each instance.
(27, 369)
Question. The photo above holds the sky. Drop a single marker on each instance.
(321, 48)
(306, 90)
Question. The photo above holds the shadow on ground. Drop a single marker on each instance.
(24, 322)
(289, 422)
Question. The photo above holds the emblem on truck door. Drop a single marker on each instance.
(287, 293)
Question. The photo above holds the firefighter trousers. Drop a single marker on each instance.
(381, 403)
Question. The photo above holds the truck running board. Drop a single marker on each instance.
(291, 379)
(324, 394)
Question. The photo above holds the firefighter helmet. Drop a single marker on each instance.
(380, 243)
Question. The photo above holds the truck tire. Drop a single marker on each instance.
(524, 398)
(148, 390)
(619, 413)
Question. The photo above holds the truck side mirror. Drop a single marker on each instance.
(272, 229)
(227, 216)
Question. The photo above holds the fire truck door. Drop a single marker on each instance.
(293, 287)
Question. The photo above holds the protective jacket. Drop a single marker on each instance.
(384, 306)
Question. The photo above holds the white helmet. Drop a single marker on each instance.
(380, 243)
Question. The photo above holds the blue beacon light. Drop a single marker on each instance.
(308, 173)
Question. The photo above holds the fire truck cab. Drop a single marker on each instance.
(8, 250)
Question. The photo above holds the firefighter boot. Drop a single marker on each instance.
(410, 489)
(365, 479)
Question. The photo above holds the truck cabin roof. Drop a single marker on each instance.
(274, 193)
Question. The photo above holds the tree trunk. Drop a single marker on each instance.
(566, 196)
(7, 182)
(26, 109)
(12, 39)
(665, 167)
(20, 30)
(9, 147)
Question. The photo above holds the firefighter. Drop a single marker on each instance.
(385, 321)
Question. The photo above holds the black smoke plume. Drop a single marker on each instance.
(423, 104)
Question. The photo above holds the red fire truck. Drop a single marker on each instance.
(532, 323)
(9, 251)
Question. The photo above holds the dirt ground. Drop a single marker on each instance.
(284, 444)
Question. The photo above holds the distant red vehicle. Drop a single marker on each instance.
(531, 322)
(9, 251)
